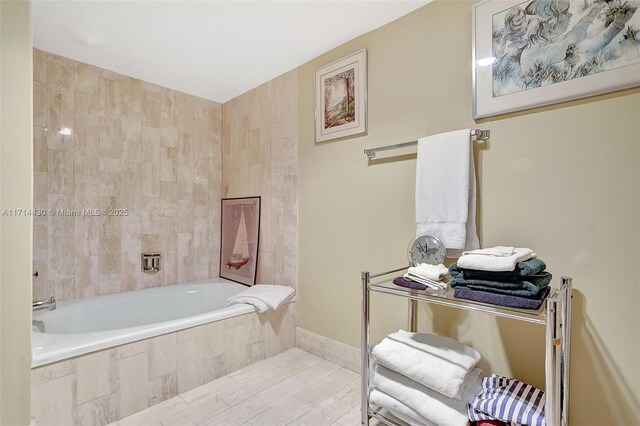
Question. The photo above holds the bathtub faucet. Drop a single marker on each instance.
(49, 304)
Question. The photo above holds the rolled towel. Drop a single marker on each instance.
(263, 296)
(437, 362)
(432, 272)
(434, 285)
(502, 299)
(429, 404)
(397, 408)
(403, 282)
(523, 269)
(482, 262)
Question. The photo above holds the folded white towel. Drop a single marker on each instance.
(263, 296)
(432, 272)
(437, 362)
(398, 409)
(499, 251)
(429, 404)
(482, 262)
(435, 285)
(446, 190)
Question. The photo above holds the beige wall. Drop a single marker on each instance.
(562, 179)
(260, 152)
(15, 193)
(135, 146)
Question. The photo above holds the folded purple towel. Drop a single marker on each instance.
(408, 284)
(502, 299)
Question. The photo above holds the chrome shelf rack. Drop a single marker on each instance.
(555, 315)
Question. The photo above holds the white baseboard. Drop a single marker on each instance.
(337, 352)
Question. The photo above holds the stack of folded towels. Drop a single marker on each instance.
(424, 276)
(507, 401)
(505, 276)
(424, 379)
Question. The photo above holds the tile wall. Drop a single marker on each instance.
(136, 146)
(260, 157)
(108, 385)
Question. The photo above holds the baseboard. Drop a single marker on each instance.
(337, 352)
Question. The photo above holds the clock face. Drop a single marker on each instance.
(426, 249)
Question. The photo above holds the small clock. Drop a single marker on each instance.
(426, 249)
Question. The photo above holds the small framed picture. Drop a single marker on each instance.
(538, 52)
(239, 239)
(341, 98)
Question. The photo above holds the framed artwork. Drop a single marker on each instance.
(341, 98)
(239, 239)
(538, 52)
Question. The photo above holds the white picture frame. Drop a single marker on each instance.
(341, 98)
(509, 36)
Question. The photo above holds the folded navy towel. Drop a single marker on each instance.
(528, 287)
(523, 269)
(402, 282)
(502, 299)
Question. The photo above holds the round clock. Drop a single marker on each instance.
(426, 249)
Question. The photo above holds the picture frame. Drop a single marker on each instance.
(240, 239)
(538, 52)
(341, 98)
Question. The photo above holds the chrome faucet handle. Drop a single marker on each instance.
(49, 303)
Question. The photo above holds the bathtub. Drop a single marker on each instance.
(87, 325)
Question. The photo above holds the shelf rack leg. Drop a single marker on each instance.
(552, 364)
(364, 351)
(413, 316)
(565, 305)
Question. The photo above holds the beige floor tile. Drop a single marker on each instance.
(156, 413)
(197, 414)
(239, 414)
(293, 388)
(208, 390)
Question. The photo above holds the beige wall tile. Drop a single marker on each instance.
(99, 412)
(87, 276)
(190, 364)
(132, 349)
(214, 368)
(133, 384)
(110, 283)
(60, 172)
(235, 348)
(163, 387)
(162, 355)
(53, 371)
(53, 401)
(96, 376)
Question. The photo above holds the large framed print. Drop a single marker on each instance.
(538, 52)
(239, 239)
(341, 98)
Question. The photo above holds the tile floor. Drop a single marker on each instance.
(293, 388)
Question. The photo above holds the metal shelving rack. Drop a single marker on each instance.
(555, 315)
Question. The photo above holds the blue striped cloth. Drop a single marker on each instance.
(508, 400)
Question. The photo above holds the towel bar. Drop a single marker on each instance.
(479, 135)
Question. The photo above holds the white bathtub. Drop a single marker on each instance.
(87, 325)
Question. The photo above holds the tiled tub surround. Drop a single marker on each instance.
(104, 386)
(135, 146)
(86, 325)
(260, 157)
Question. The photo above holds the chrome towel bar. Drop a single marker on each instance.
(479, 135)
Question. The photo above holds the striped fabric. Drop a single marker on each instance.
(508, 400)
